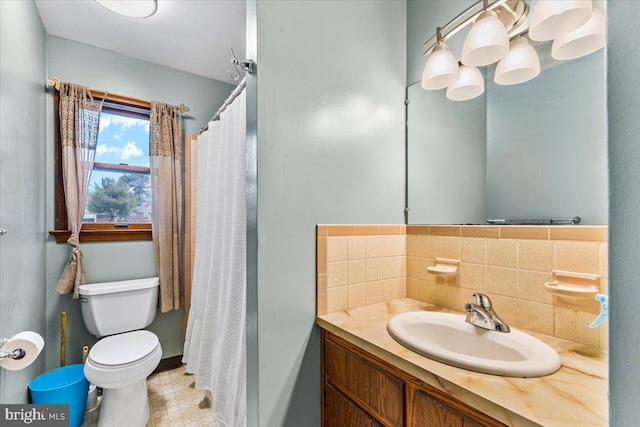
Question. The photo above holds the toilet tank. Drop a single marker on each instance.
(114, 307)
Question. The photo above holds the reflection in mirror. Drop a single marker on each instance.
(533, 150)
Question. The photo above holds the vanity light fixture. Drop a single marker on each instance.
(131, 8)
(520, 65)
(554, 18)
(497, 34)
(468, 86)
(587, 39)
(487, 42)
(441, 69)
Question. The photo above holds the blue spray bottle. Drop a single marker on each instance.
(604, 313)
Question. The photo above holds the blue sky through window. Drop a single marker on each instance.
(121, 140)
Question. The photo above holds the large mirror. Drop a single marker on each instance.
(536, 150)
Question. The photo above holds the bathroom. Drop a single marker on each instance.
(328, 111)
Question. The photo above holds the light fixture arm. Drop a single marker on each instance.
(469, 16)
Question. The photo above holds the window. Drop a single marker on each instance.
(119, 195)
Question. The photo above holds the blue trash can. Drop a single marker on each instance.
(63, 385)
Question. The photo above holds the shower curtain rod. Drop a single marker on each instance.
(237, 91)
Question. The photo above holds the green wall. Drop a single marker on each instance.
(624, 211)
(22, 185)
(331, 79)
(101, 69)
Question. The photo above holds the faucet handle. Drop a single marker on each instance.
(482, 300)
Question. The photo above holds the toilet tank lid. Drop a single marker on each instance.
(121, 286)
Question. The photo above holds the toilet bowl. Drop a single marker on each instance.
(125, 355)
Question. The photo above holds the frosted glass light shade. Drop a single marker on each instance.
(554, 18)
(131, 8)
(520, 65)
(583, 41)
(441, 69)
(468, 86)
(487, 42)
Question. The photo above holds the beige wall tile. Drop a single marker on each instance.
(421, 268)
(426, 291)
(536, 317)
(412, 267)
(373, 269)
(401, 287)
(356, 295)
(427, 246)
(412, 245)
(418, 229)
(356, 247)
(502, 253)
(473, 250)
(604, 335)
(392, 229)
(578, 257)
(604, 261)
(479, 231)
(535, 255)
(448, 247)
(373, 292)
(367, 230)
(356, 272)
(412, 288)
(506, 308)
(321, 230)
(392, 267)
(447, 296)
(321, 299)
(336, 299)
(389, 290)
(502, 281)
(444, 230)
(524, 232)
(574, 326)
(531, 286)
(337, 274)
(373, 246)
(321, 255)
(393, 245)
(336, 249)
(340, 230)
(465, 296)
(584, 233)
(473, 277)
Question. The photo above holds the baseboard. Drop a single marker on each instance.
(169, 363)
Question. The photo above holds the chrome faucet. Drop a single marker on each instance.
(482, 315)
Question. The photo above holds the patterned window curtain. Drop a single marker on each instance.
(165, 152)
(79, 126)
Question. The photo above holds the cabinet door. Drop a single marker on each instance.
(340, 412)
(427, 412)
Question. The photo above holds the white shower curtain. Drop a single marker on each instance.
(214, 348)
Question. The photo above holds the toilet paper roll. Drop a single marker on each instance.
(32, 344)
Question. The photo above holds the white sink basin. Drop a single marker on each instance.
(447, 338)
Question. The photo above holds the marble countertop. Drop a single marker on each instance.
(576, 395)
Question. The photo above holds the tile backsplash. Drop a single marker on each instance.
(365, 264)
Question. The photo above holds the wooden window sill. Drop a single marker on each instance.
(105, 235)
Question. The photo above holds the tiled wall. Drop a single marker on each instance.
(508, 263)
(359, 265)
(511, 264)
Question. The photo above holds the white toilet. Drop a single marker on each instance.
(125, 355)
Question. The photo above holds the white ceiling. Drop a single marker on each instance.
(187, 35)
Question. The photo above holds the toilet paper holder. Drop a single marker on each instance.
(15, 354)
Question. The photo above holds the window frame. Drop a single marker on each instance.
(97, 232)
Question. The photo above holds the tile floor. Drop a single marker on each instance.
(173, 402)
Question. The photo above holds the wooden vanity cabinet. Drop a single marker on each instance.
(359, 389)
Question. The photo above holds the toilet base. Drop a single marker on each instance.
(126, 406)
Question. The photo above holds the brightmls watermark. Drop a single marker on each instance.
(34, 415)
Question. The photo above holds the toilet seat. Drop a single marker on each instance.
(122, 350)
